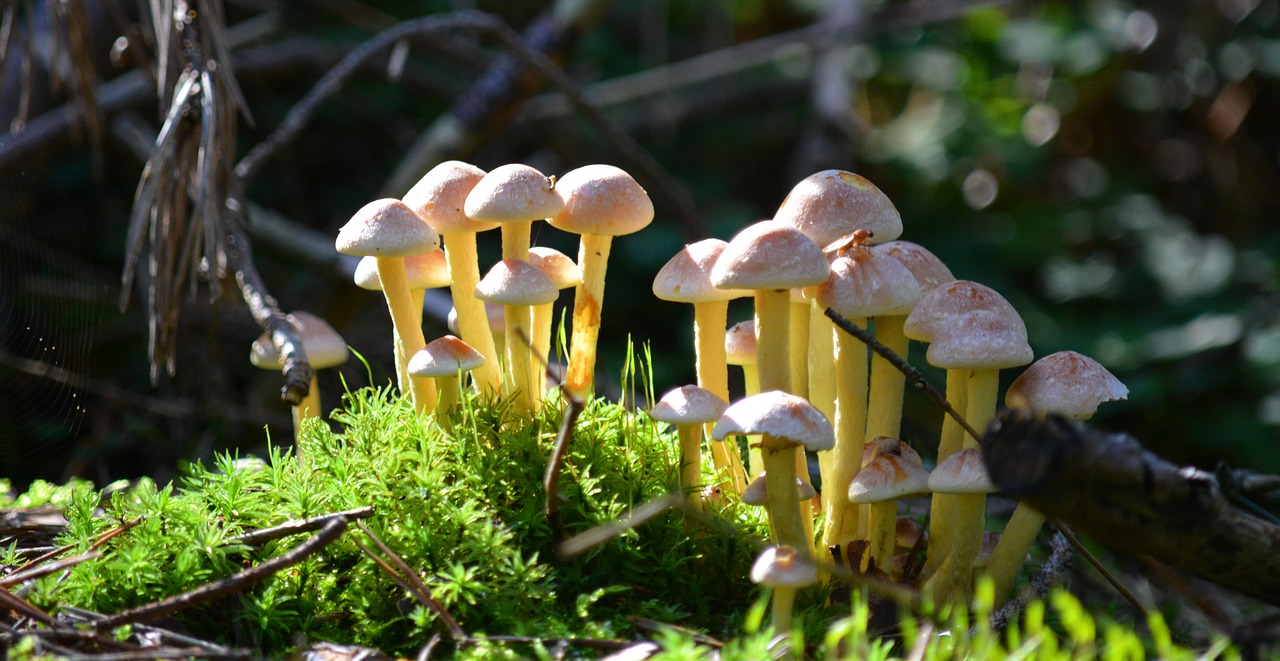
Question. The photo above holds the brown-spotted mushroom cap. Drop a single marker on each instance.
(562, 270)
(602, 199)
(516, 282)
(769, 255)
(513, 193)
(887, 477)
(322, 344)
(428, 270)
(1065, 382)
(688, 405)
(757, 493)
(962, 472)
(740, 343)
(686, 277)
(938, 307)
(779, 415)
(833, 203)
(929, 271)
(441, 194)
(867, 283)
(443, 357)
(882, 445)
(386, 228)
(981, 340)
(783, 567)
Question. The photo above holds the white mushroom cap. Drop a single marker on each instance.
(981, 340)
(938, 307)
(783, 567)
(688, 405)
(757, 493)
(513, 193)
(494, 312)
(962, 472)
(887, 477)
(833, 203)
(562, 270)
(769, 255)
(322, 344)
(441, 194)
(686, 277)
(445, 356)
(780, 416)
(867, 283)
(602, 199)
(516, 282)
(740, 343)
(386, 228)
(427, 270)
(929, 271)
(1065, 382)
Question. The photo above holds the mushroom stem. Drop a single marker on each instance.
(395, 286)
(773, 311)
(980, 403)
(542, 323)
(593, 259)
(691, 468)
(518, 319)
(850, 428)
(1011, 552)
(784, 499)
(884, 418)
(515, 239)
(882, 529)
(473, 323)
(822, 384)
(309, 407)
(941, 516)
(954, 578)
(751, 380)
(784, 600)
(798, 336)
(709, 321)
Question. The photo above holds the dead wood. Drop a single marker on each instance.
(1107, 486)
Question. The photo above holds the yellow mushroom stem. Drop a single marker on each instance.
(709, 321)
(822, 384)
(850, 428)
(408, 336)
(784, 498)
(309, 407)
(784, 600)
(450, 390)
(691, 468)
(593, 259)
(1011, 551)
(954, 578)
(884, 418)
(798, 335)
(540, 357)
(473, 322)
(951, 441)
(772, 318)
(519, 320)
(882, 530)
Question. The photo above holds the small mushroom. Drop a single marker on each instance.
(689, 408)
(446, 360)
(517, 285)
(424, 271)
(964, 476)
(323, 347)
(564, 273)
(879, 484)
(785, 569)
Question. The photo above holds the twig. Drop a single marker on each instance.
(410, 580)
(46, 569)
(582, 542)
(230, 585)
(603, 644)
(1049, 575)
(98, 540)
(555, 463)
(294, 527)
(1065, 530)
(13, 602)
(914, 376)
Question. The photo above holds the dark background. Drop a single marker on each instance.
(1110, 167)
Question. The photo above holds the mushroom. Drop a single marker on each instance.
(445, 359)
(439, 198)
(496, 320)
(323, 347)
(786, 570)
(389, 230)
(888, 476)
(564, 273)
(686, 278)
(424, 271)
(517, 285)
(786, 422)
(1065, 382)
(600, 202)
(689, 408)
(964, 476)
(740, 350)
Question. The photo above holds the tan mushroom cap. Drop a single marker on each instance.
(770, 255)
(907, 532)
(386, 228)
(882, 445)
(780, 416)
(1065, 382)
(981, 340)
(740, 343)
(686, 277)
(516, 282)
(757, 493)
(513, 193)
(887, 477)
(494, 312)
(441, 194)
(962, 472)
(688, 405)
(445, 356)
(783, 567)
(562, 270)
(937, 307)
(602, 199)
(867, 283)
(929, 271)
(833, 203)
(427, 270)
(322, 344)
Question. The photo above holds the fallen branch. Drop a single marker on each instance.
(297, 526)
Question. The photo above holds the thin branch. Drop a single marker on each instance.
(415, 584)
(555, 463)
(298, 526)
(1065, 530)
